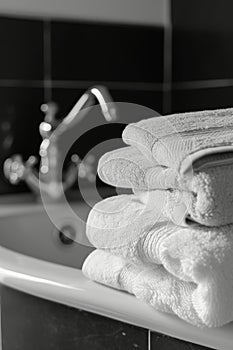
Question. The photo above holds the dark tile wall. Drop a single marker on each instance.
(19, 122)
(202, 51)
(43, 60)
(30, 322)
(21, 43)
(202, 54)
(106, 52)
(187, 100)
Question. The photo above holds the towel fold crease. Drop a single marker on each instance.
(194, 263)
(170, 243)
(207, 190)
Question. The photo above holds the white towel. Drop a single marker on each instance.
(205, 194)
(185, 271)
(191, 152)
(176, 141)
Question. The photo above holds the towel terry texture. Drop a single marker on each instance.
(170, 243)
(190, 153)
(172, 140)
(182, 270)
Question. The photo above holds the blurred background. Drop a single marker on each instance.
(168, 55)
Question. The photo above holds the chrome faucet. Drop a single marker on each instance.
(49, 179)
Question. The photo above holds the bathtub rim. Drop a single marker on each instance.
(68, 286)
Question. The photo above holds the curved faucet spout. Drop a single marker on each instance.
(50, 180)
(49, 152)
(106, 104)
(98, 92)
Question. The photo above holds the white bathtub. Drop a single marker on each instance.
(33, 260)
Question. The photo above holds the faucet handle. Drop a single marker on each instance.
(48, 125)
(15, 168)
(50, 110)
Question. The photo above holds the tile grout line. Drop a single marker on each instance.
(47, 82)
(149, 340)
(167, 62)
(21, 83)
(203, 84)
(69, 84)
(111, 84)
(136, 86)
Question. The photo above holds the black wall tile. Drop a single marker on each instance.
(19, 124)
(24, 104)
(202, 40)
(21, 46)
(33, 323)
(200, 14)
(163, 342)
(84, 51)
(200, 99)
(65, 99)
(202, 55)
(149, 99)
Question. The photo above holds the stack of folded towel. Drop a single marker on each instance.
(170, 242)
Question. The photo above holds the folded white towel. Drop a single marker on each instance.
(189, 152)
(204, 195)
(153, 285)
(177, 140)
(185, 271)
